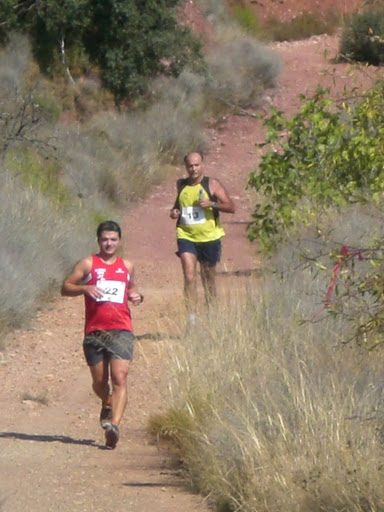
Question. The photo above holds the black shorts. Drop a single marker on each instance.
(207, 253)
(113, 344)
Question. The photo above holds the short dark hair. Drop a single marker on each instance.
(108, 225)
(191, 153)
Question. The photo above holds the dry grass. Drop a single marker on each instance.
(241, 69)
(273, 413)
(291, 422)
(35, 249)
(40, 398)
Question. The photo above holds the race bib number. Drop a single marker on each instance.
(192, 215)
(113, 291)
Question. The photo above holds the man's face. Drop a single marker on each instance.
(108, 242)
(194, 166)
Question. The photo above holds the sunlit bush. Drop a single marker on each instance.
(363, 38)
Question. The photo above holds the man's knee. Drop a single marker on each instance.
(119, 383)
(99, 374)
(208, 272)
(119, 372)
(189, 263)
(189, 278)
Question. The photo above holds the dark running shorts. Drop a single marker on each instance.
(113, 344)
(207, 253)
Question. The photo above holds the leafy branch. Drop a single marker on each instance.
(326, 155)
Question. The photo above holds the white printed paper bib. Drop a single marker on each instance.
(191, 215)
(113, 291)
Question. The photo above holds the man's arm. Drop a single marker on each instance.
(133, 295)
(175, 211)
(223, 202)
(72, 285)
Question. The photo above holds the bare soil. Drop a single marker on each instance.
(52, 455)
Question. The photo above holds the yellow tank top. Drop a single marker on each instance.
(197, 224)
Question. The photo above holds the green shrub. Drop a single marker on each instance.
(247, 19)
(49, 105)
(330, 154)
(363, 39)
(40, 173)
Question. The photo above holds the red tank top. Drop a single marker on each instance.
(112, 311)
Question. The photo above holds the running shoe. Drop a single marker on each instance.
(112, 435)
(106, 416)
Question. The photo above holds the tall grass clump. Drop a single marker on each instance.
(363, 37)
(216, 11)
(272, 411)
(39, 218)
(118, 158)
(241, 69)
(238, 72)
(38, 242)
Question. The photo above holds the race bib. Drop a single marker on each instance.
(113, 291)
(192, 215)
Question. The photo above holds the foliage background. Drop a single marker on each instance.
(126, 42)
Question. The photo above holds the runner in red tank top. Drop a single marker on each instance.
(107, 283)
(111, 312)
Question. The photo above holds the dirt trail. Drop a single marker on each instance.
(52, 457)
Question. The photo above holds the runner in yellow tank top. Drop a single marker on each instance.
(197, 224)
(199, 230)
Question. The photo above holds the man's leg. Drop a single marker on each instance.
(119, 372)
(189, 264)
(99, 373)
(209, 257)
(208, 278)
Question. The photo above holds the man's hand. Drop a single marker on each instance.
(175, 213)
(136, 298)
(206, 203)
(93, 291)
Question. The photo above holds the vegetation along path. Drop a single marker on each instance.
(52, 455)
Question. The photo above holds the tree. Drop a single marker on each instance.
(129, 41)
(135, 40)
(7, 17)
